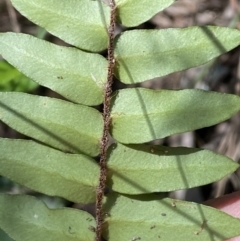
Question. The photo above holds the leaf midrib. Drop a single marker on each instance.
(158, 53)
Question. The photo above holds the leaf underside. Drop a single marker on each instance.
(24, 218)
(82, 23)
(140, 115)
(74, 74)
(137, 169)
(57, 123)
(146, 54)
(43, 169)
(134, 12)
(150, 217)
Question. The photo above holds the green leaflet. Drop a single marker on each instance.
(57, 123)
(150, 217)
(145, 54)
(137, 169)
(71, 176)
(141, 115)
(25, 218)
(134, 12)
(76, 75)
(82, 23)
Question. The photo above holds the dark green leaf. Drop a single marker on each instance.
(150, 217)
(24, 218)
(136, 169)
(61, 124)
(141, 115)
(145, 54)
(43, 169)
(4, 236)
(82, 23)
(76, 75)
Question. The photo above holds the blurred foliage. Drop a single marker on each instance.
(12, 80)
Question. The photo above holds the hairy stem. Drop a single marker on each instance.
(107, 120)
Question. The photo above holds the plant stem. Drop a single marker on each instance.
(107, 121)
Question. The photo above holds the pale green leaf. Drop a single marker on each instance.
(60, 124)
(43, 169)
(141, 115)
(137, 169)
(81, 23)
(134, 12)
(145, 54)
(25, 218)
(150, 217)
(76, 75)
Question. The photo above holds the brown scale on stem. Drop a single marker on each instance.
(107, 121)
